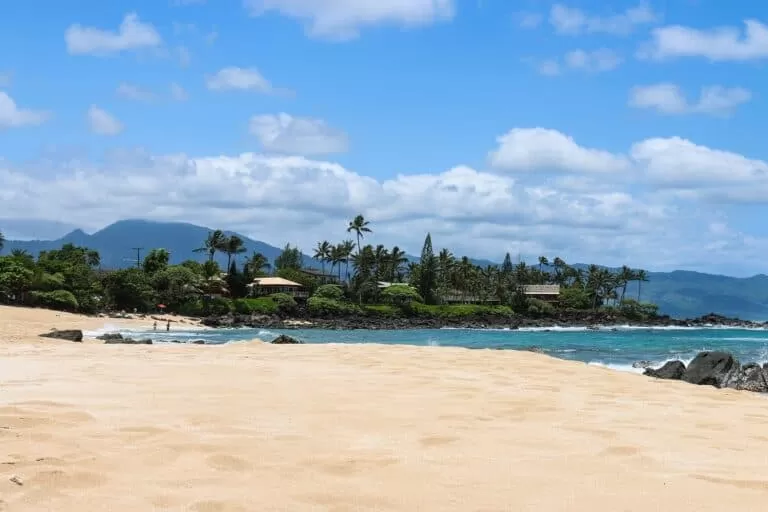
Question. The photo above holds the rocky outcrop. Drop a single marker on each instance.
(68, 335)
(672, 370)
(286, 340)
(718, 369)
(119, 339)
(711, 368)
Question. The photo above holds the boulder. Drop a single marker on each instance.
(641, 364)
(286, 340)
(672, 370)
(711, 368)
(750, 377)
(110, 336)
(69, 335)
(127, 341)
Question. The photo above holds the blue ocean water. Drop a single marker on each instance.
(615, 347)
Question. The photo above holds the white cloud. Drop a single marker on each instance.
(598, 60)
(529, 19)
(284, 133)
(572, 21)
(178, 93)
(185, 57)
(717, 44)
(655, 212)
(11, 116)
(541, 149)
(668, 98)
(102, 122)
(343, 19)
(131, 35)
(135, 93)
(243, 79)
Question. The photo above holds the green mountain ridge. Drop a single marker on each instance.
(681, 293)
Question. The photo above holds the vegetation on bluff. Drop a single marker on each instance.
(367, 280)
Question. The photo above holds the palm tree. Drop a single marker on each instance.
(233, 245)
(347, 247)
(323, 253)
(397, 262)
(215, 242)
(543, 261)
(256, 264)
(359, 225)
(625, 276)
(640, 276)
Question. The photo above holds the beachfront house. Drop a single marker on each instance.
(545, 292)
(322, 278)
(262, 286)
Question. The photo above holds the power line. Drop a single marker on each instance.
(138, 255)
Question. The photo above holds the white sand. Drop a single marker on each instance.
(256, 427)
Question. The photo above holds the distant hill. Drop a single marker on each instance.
(681, 294)
(116, 243)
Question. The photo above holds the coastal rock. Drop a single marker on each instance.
(641, 364)
(69, 335)
(750, 377)
(672, 370)
(127, 341)
(286, 340)
(110, 336)
(711, 368)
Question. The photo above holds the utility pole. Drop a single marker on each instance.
(138, 255)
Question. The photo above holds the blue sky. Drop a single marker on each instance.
(614, 132)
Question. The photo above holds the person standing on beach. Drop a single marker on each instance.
(154, 326)
(168, 326)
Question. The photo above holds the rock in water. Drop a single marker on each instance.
(711, 368)
(127, 341)
(672, 370)
(286, 340)
(110, 336)
(641, 364)
(69, 335)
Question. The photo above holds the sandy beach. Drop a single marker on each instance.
(257, 427)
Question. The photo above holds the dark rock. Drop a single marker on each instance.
(198, 342)
(69, 335)
(286, 340)
(711, 368)
(750, 377)
(536, 349)
(110, 336)
(641, 364)
(127, 341)
(672, 370)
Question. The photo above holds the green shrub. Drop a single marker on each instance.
(540, 308)
(401, 295)
(61, 300)
(575, 297)
(383, 310)
(257, 306)
(458, 311)
(218, 306)
(634, 310)
(329, 291)
(191, 308)
(285, 303)
(318, 306)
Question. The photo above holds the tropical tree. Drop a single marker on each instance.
(156, 260)
(358, 226)
(232, 246)
(215, 242)
(256, 264)
(641, 276)
(323, 253)
(290, 258)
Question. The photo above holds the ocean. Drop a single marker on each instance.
(614, 347)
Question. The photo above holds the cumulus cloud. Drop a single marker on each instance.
(12, 116)
(134, 92)
(725, 43)
(178, 93)
(591, 61)
(283, 133)
(541, 149)
(657, 211)
(102, 122)
(238, 79)
(668, 98)
(132, 34)
(573, 21)
(343, 19)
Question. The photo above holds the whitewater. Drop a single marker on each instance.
(617, 347)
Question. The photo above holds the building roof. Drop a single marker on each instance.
(274, 281)
(541, 289)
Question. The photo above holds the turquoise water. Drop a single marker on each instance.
(617, 347)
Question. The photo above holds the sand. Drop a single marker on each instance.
(256, 427)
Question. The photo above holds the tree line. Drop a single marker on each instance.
(71, 277)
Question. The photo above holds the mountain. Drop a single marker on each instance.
(681, 294)
(117, 243)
